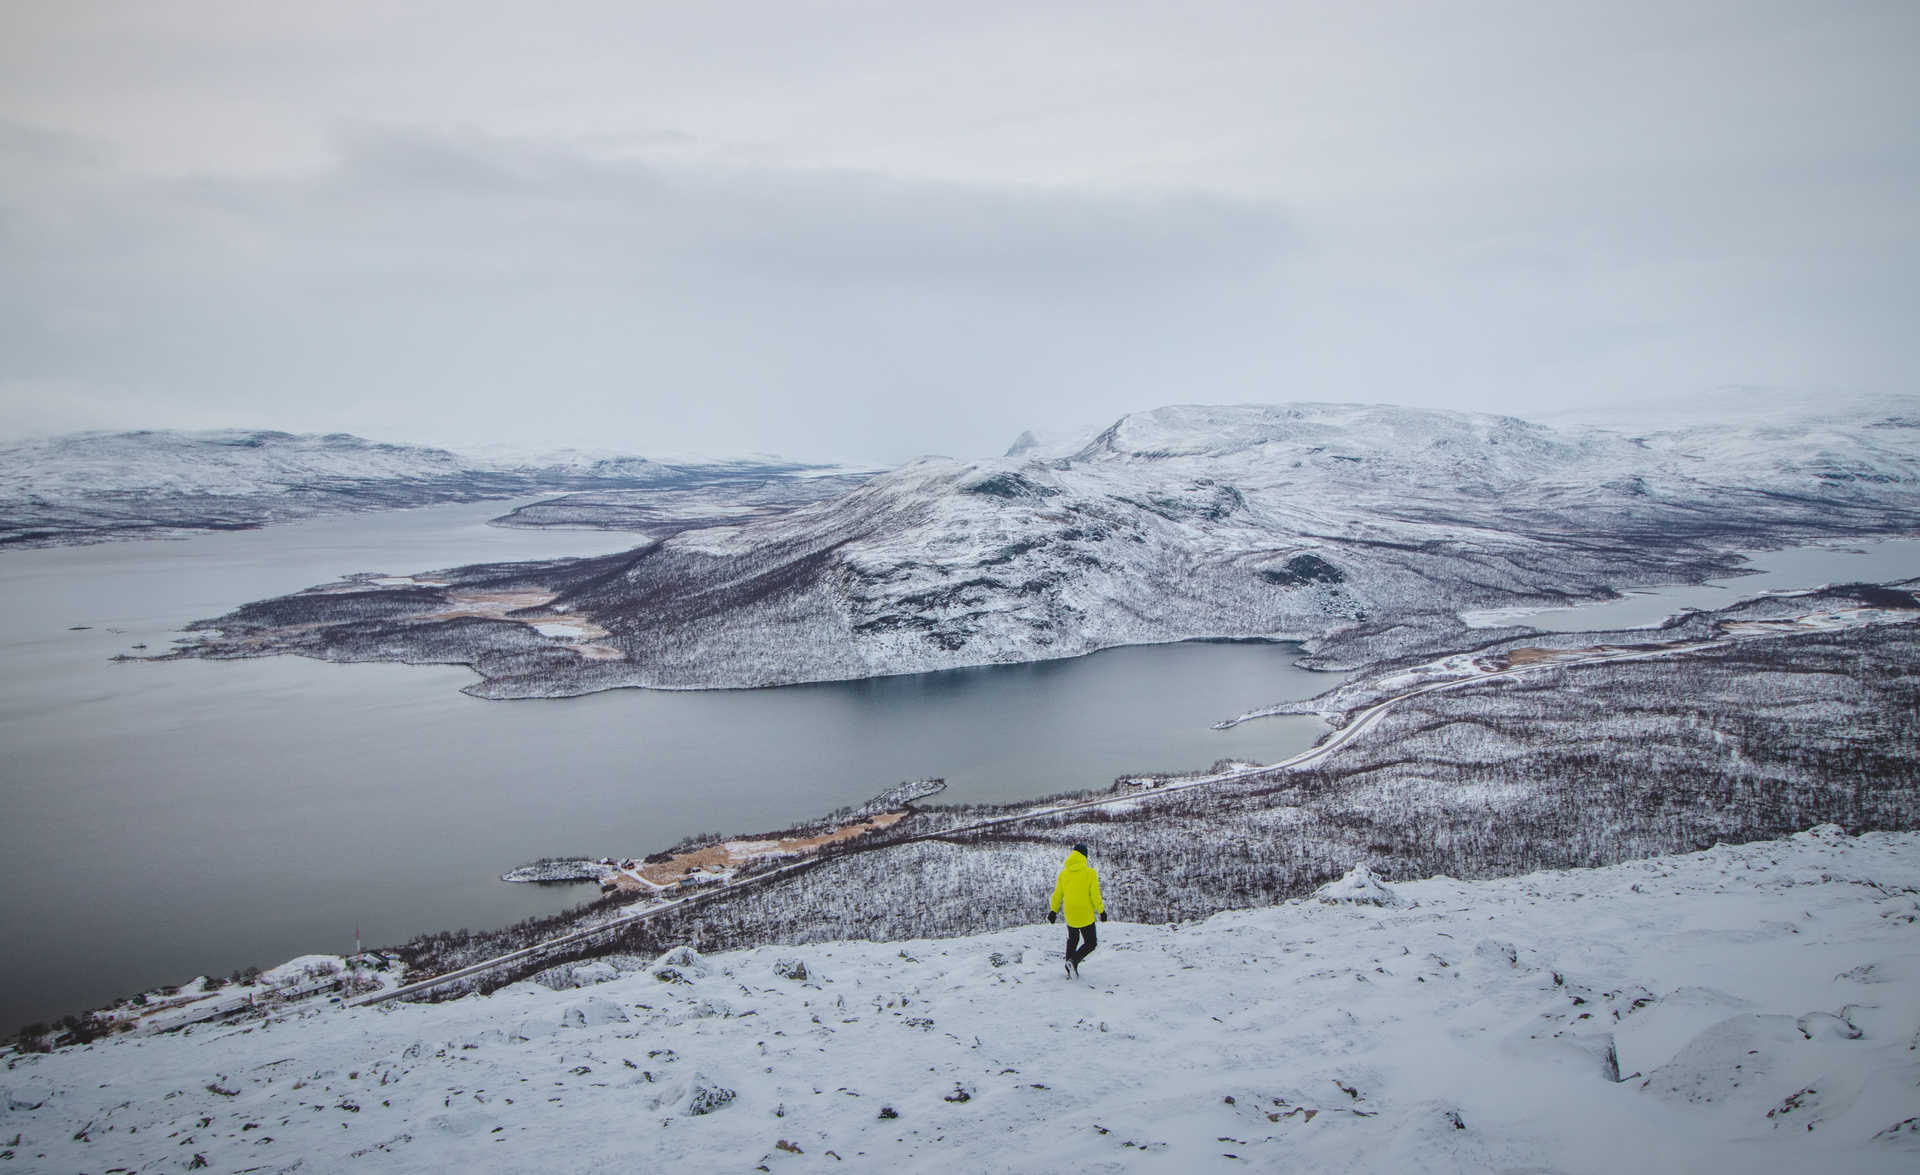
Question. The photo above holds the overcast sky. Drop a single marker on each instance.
(872, 230)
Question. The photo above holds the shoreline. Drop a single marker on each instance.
(571, 655)
(708, 861)
(725, 860)
(734, 861)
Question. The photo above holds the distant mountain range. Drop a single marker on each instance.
(92, 487)
(1289, 521)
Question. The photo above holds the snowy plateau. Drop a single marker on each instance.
(1752, 1008)
(1358, 529)
(93, 487)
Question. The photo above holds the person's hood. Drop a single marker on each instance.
(1074, 861)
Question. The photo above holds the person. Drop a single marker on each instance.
(1076, 893)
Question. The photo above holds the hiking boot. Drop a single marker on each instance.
(1070, 971)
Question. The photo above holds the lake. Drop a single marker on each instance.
(1866, 561)
(173, 819)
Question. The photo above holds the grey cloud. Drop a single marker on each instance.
(953, 226)
(807, 226)
(23, 146)
(433, 285)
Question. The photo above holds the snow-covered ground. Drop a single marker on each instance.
(1761, 1002)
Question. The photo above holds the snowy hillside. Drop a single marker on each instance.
(91, 486)
(1290, 521)
(1752, 1008)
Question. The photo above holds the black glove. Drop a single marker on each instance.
(1103, 915)
(1051, 915)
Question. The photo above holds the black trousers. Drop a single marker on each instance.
(1080, 942)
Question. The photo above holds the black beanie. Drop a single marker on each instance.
(1081, 849)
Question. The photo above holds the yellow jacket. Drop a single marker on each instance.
(1078, 890)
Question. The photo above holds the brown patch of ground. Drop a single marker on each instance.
(730, 854)
(1534, 656)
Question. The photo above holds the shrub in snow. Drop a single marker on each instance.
(1500, 954)
(1596, 1049)
(793, 969)
(693, 1097)
(1826, 1026)
(1906, 1130)
(1826, 834)
(707, 1096)
(587, 974)
(1358, 887)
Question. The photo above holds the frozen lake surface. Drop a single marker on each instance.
(165, 820)
(1786, 570)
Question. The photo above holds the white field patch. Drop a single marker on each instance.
(584, 635)
(1751, 1008)
(1829, 620)
(1501, 617)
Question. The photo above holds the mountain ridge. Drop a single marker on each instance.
(1277, 522)
(101, 486)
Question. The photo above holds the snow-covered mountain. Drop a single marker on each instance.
(1752, 1008)
(88, 487)
(1289, 521)
(1185, 522)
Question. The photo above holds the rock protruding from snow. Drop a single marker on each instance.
(696, 1097)
(30, 1096)
(679, 965)
(1360, 887)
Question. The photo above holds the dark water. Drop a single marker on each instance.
(165, 820)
